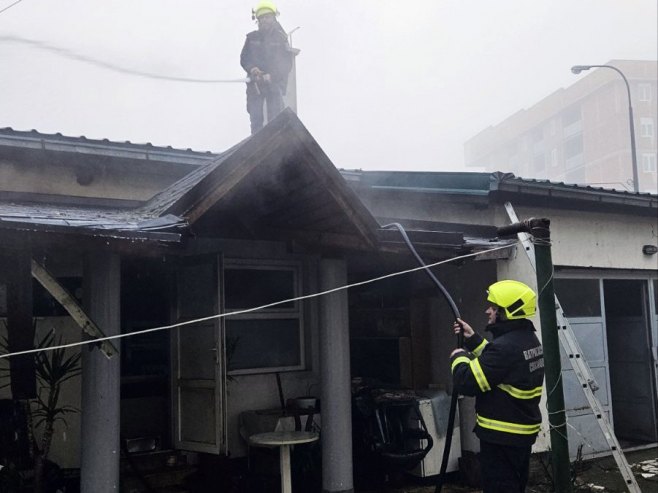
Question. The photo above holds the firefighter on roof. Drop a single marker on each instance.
(506, 377)
(267, 59)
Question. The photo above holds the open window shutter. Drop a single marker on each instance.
(198, 368)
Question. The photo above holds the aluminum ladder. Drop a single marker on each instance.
(581, 368)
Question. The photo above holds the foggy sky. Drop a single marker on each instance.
(382, 84)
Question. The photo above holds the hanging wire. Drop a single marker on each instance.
(250, 310)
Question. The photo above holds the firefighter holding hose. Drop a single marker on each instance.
(506, 377)
(267, 58)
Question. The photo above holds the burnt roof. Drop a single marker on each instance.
(277, 184)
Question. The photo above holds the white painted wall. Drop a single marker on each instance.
(138, 183)
(595, 239)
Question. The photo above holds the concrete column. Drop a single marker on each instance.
(100, 448)
(337, 474)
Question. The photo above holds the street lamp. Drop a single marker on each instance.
(576, 69)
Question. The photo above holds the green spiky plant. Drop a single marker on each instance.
(53, 368)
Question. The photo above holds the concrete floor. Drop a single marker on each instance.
(596, 476)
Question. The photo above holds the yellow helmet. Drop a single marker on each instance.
(517, 299)
(264, 7)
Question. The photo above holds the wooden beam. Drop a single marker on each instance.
(69, 303)
(317, 239)
(456, 240)
(12, 239)
(503, 254)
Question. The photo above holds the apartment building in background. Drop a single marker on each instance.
(580, 134)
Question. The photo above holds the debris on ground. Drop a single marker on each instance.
(648, 469)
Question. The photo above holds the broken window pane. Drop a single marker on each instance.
(579, 297)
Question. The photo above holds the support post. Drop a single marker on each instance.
(540, 229)
(20, 325)
(541, 232)
(337, 474)
(100, 454)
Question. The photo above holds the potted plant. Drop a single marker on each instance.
(53, 368)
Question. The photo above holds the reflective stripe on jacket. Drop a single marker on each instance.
(506, 376)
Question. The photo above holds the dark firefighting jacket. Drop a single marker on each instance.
(270, 52)
(506, 377)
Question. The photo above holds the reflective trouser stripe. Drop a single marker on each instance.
(506, 427)
(458, 360)
(520, 393)
(478, 350)
(480, 378)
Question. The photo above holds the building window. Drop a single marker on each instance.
(539, 163)
(646, 127)
(573, 152)
(649, 163)
(573, 147)
(270, 339)
(554, 158)
(644, 91)
(570, 116)
(571, 121)
(579, 297)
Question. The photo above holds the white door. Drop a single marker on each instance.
(582, 301)
(198, 366)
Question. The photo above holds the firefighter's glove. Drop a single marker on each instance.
(463, 327)
(256, 73)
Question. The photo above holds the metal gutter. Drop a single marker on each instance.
(81, 145)
(69, 200)
(449, 191)
(577, 194)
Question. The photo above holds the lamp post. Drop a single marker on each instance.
(576, 69)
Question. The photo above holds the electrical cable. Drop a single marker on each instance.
(460, 342)
(250, 310)
(10, 6)
(116, 68)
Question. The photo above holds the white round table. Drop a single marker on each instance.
(283, 440)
